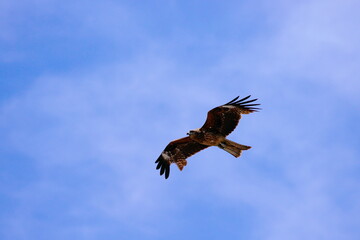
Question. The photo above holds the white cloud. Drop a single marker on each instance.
(111, 123)
(313, 42)
(97, 122)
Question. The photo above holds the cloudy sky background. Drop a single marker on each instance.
(91, 93)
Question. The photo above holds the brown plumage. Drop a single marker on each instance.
(220, 122)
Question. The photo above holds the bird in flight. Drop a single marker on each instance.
(220, 122)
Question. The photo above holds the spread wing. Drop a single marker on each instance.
(225, 118)
(176, 152)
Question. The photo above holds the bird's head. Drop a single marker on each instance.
(193, 132)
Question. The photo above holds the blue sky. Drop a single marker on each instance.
(91, 93)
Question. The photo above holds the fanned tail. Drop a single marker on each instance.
(233, 148)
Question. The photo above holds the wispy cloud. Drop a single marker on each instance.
(85, 141)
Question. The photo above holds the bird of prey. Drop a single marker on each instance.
(220, 122)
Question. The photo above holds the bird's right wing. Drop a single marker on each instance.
(176, 152)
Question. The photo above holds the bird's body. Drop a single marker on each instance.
(206, 138)
(220, 122)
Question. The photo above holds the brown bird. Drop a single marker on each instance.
(220, 122)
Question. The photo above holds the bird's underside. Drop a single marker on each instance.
(220, 122)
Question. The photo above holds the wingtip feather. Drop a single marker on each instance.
(164, 166)
(232, 101)
(245, 104)
(167, 172)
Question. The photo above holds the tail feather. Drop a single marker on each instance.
(233, 148)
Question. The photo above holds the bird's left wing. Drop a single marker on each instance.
(225, 118)
(176, 152)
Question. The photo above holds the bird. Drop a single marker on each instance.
(220, 122)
